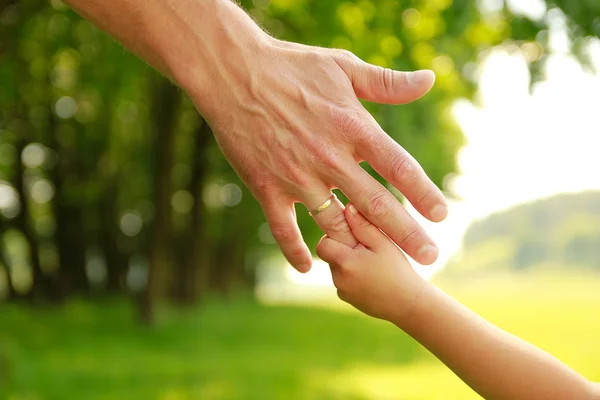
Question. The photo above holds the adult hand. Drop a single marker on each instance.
(287, 116)
(289, 121)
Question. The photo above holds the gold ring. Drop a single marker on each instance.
(323, 206)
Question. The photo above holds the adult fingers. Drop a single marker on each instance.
(400, 169)
(331, 219)
(383, 85)
(284, 227)
(378, 205)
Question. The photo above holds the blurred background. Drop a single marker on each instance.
(134, 264)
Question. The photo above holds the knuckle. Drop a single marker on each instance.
(401, 79)
(294, 174)
(346, 55)
(283, 233)
(264, 186)
(348, 122)
(379, 204)
(333, 165)
(387, 79)
(372, 141)
(264, 190)
(337, 225)
(409, 235)
(425, 196)
(297, 253)
(364, 223)
(402, 168)
(393, 80)
(319, 58)
(323, 151)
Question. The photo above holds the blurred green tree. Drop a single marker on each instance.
(111, 182)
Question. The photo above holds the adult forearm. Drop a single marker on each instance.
(189, 41)
(494, 363)
(285, 115)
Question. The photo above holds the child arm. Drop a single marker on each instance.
(376, 278)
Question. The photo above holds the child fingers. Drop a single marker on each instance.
(367, 233)
(331, 251)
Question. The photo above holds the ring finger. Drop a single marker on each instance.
(328, 213)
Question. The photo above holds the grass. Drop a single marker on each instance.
(242, 350)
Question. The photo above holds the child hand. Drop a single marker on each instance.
(374, 276)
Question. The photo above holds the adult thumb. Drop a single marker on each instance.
(383, 85)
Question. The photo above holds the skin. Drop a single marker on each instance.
(286, 116)
(375, 277)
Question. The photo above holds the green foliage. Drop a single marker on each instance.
(91, 105)
(583, 15)
(581, 22)
(102, 124)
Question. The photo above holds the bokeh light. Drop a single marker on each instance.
(131, 223)
(65, 107)
(231, 195)
(96, 270)
(137, 273)
(9, 200)
(182, 201)
(265, 235)
(42, 191)
(34, 155)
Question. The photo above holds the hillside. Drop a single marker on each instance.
(558, 232)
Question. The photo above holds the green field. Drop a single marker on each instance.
(242, 350)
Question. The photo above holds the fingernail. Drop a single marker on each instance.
(303, 268)
(427, 254)
(439, 213)
(352, 209)
(418, 77)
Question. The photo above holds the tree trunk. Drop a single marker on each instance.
(70, 233)
(116, 261)
(42, 284)
(70, 240)
(192, 276)
(166, 99)
(229, 265)
(12, 295)
(4, 263)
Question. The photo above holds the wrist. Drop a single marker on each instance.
(222, 45)
(415, 292)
